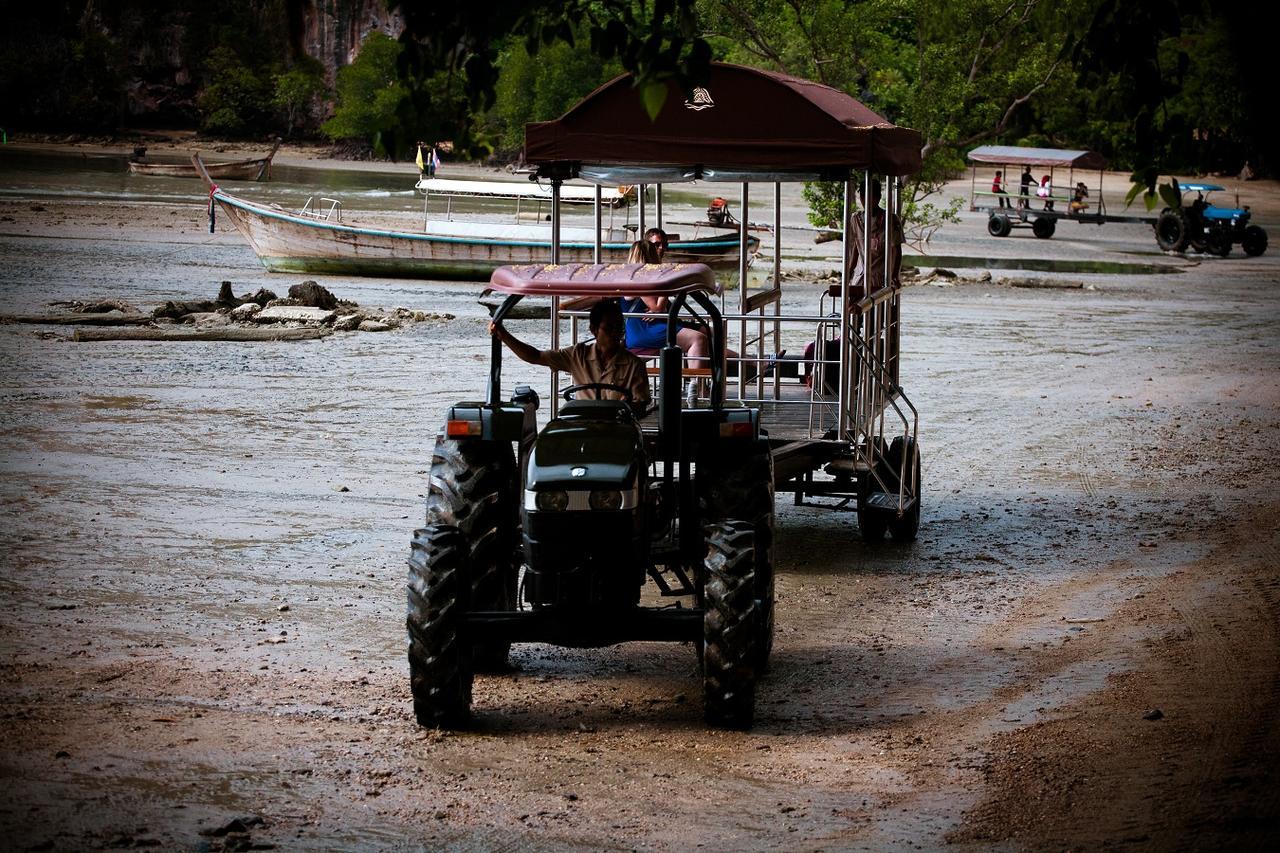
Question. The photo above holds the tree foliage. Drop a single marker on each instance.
(657, 40)
(296, 93)
(369, 93)
(541, 86)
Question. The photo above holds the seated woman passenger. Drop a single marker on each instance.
(1078, 197)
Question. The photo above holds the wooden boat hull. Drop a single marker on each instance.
(257, 169)
(285, 242)
(243, 170)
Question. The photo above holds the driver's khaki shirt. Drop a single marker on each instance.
(625, 369)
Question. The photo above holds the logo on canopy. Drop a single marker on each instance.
(701, 99)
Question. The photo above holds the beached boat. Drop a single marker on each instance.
(315, 240)
(256, 169)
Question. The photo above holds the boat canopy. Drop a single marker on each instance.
(604, 280)
(745, 124)
(1013, 155)
(518, 189)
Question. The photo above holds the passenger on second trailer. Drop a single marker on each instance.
(997, 187)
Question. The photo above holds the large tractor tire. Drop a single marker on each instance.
(1171, 230)
(1254, 241)
(904, 529)
(473, 488)
(440, 672)
(999, 225)
(1044, 227)
(741, 488)
(1218, 242)
(729, 626)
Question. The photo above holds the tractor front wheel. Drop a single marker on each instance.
(730, 631)
(1254, 241)
(440, 673)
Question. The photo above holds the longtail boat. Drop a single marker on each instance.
(316, 240)
(256, 169)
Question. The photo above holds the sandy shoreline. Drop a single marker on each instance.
(203, 581)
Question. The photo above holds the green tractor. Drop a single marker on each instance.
(576, 534)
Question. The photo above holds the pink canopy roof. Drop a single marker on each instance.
(628, 280)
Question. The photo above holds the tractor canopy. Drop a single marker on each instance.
(604, 280)
(744, 124)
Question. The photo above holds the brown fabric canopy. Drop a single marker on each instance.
(744, 118)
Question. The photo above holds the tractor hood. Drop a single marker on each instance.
(585, 454)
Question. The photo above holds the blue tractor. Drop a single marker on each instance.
(1203, 227)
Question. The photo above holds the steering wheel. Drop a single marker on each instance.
(598, 387)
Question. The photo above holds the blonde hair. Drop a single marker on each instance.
(642, 252)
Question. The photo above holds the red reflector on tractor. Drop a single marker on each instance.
(462, 429)
(741, 429)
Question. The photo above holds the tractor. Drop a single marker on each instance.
(575, 534)
(1203, 227)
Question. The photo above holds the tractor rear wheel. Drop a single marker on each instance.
(439, 665)
(998, 225)
(1171, 230)
(1044, 227)
(473, 489)
(1254, 241)
(729, 626)
(741, 487)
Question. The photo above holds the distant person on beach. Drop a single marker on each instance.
(603, 361)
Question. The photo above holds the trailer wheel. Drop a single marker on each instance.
(1254, 241)
(439, 665)
(1044, 227)
(729, 626)
(1171, 230)
(472, 489)
(904, 529)
(741, 487)
(998, 225)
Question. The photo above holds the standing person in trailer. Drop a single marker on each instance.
(1046, 192)
(997, 187)
(1024, 192)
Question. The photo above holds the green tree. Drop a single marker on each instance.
(237, 99)
(369, 93)
(542, 86)
(297, 91)
(452, 50)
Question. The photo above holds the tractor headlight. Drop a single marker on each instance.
(553, 501)
(605, 499)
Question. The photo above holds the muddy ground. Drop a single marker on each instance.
(203, 572)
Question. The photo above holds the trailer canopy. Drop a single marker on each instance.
(1013, 155)
(744, 125)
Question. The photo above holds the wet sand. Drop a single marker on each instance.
(204, 569)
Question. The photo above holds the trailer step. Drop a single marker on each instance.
(885, 500)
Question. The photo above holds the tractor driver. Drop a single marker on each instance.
(606, 360)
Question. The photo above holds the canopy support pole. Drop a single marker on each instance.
(595, 249)
(555, 300)
(657, 208)
(641, 229)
